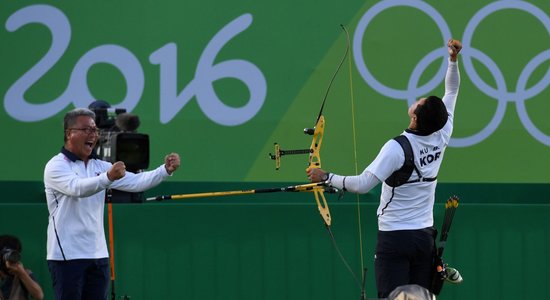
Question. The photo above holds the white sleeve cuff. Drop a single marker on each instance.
(104, 180)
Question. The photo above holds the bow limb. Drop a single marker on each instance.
(322, 204)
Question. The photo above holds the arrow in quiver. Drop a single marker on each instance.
(440, 272)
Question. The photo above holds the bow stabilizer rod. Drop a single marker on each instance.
(310, 187)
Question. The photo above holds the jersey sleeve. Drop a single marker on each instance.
(140, 182)
(452, 83)
(59, 176)
(390, 158)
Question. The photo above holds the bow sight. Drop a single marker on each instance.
(280, 152)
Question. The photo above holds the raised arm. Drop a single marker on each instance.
(452, 78)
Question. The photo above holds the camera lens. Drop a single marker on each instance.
(12, 256)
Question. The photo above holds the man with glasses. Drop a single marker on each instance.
(75, 182)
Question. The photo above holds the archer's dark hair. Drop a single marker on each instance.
(431, 116)
(11, 242)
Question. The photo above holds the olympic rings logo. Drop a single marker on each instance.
(500, 93)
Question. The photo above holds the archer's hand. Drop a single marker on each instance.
(117, 171)
(316, 174)
(171, 162)
(454, 47)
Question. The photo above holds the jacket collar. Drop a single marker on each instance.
(72, 157)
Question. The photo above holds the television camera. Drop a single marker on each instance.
(120, 141)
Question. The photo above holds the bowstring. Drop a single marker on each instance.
(335, 245)
(354, 134)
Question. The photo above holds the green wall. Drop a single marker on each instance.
(275, 246)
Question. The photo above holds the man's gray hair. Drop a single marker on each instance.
(70, 118)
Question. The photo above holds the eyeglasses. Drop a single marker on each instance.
(87, 130)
